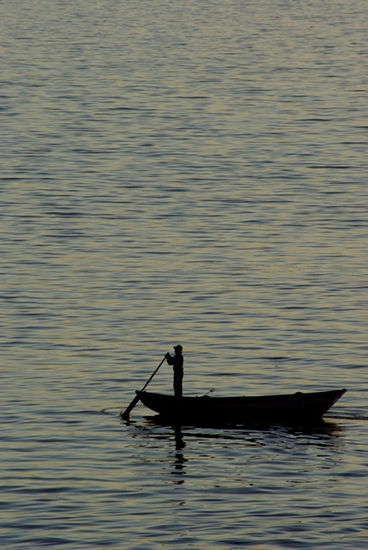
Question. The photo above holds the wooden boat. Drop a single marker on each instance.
(289, 408)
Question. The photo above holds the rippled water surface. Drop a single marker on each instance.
(190, 172)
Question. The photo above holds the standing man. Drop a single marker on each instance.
(177, 362)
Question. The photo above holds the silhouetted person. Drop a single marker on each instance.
(177, 362)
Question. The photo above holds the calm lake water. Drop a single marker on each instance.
(188, 172)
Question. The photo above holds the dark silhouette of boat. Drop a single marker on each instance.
(289, 408)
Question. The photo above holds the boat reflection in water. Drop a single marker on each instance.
(254, 442)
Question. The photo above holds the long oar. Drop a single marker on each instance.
(126, 413)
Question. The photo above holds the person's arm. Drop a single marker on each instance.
(169, 358)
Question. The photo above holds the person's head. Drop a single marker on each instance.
(178, 349)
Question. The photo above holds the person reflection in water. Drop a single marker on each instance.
(177, 362)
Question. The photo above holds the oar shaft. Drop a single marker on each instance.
(152, 375)
(126, 413)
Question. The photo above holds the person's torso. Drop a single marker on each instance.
(178, 362)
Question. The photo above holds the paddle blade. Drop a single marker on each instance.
(125, 415)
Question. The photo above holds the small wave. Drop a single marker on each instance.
(353, 417)
(108, 410)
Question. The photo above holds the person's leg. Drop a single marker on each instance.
(178, 384)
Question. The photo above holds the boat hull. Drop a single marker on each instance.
(289, 408)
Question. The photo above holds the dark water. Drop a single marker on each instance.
(190, 172)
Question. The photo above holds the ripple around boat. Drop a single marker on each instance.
(289, 408)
